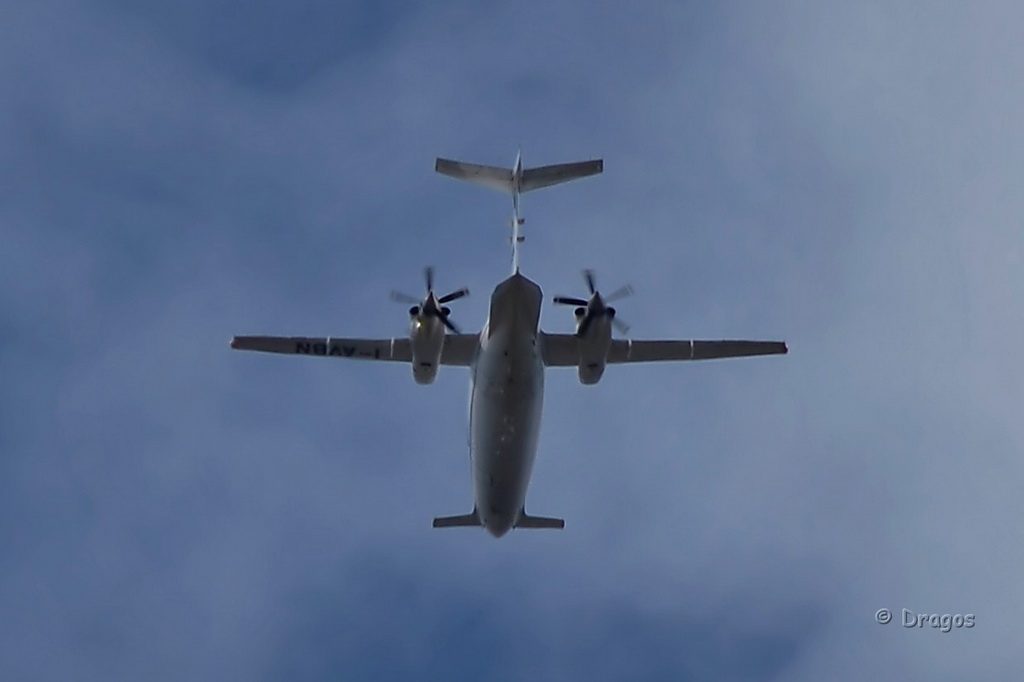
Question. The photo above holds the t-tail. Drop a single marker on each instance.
(517, 180)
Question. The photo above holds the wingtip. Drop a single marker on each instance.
(785, 348)
(234, 342)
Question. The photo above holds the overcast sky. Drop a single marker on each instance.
(843, 176)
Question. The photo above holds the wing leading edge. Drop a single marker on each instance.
(562, 350)
(458, 349)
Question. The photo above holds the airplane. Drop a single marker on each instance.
(508, 357)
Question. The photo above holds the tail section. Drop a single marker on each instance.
(517, 180)
(523, 521)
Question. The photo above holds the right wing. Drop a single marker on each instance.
(458, 349)
(624, 350)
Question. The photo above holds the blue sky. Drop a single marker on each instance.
(842, 176)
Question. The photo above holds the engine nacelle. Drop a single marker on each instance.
(594, 347)
(590, 372)
(426, 339)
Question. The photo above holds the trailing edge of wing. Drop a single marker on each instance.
(656, 351)
(545, 176)
(488, 176)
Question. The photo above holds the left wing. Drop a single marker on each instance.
(365, 349)
(458, 349)
(562, 350)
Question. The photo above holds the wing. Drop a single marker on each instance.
(364, 349)
(562, 350)
(559, 350)
(658, 351)
(458, 349)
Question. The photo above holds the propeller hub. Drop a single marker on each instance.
(431, 305)
(596, 306)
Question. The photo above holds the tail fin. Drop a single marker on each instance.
(517, 180)
(471, 519)
(527, 521)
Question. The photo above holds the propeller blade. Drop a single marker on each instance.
(448, 323)
(622, 292)
(588, 276)
(428, 275)
(403, 298)
(455, 295)
(566, 300)
(620, 325)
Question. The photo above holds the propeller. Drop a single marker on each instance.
(596, 306)
(431, 306)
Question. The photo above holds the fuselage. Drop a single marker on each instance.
(506, 398)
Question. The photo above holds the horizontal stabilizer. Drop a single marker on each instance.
(518, 180)
(471, 519)
(527, 521)
(545, 176)
(488, 176)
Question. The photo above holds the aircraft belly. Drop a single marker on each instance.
(506, 423)
(506, 407)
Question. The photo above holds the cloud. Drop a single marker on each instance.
(843, 177)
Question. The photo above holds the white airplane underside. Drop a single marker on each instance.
(507, 359)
